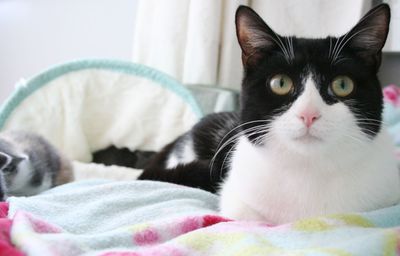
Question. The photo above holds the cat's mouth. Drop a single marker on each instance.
(308, 138)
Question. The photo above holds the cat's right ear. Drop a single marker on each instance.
(368, 36)
(5, 160)
(253, 34)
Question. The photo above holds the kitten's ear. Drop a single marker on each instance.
(253, 34)
(5, 160)
(368, 37)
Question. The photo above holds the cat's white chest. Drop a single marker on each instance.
(274, 187)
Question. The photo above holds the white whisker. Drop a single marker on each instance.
(241, 125)
(283, 48)
(330, 47)
(347, 40)
(254, 130)
(230, 150)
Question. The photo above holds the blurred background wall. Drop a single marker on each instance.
(38, 34)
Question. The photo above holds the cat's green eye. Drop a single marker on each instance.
(342, 86)
(281, 84)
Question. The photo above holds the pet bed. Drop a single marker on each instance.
(85, 106)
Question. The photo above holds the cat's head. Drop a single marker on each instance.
(311, 93)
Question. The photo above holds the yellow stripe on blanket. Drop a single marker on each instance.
(353, 220)
(311, 225)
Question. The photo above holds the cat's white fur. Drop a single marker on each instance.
(186, 155)
(331, 167)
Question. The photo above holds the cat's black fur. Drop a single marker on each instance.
(208, 136)
(123, 156)
(359, 59)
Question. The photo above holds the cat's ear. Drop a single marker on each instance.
(368, 37)
(5, 160)
(253, 34)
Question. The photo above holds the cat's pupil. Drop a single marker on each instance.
(342, 85)
(281, 83)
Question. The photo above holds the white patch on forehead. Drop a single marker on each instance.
(309, 84)
(310, 97)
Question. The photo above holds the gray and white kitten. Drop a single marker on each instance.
(29, 164)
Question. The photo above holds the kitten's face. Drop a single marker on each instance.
(313, 93)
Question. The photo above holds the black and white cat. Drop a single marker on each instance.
(308, 139)
(29, 165)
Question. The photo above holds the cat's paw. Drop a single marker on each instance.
(234, 208)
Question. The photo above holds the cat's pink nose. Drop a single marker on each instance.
(309, 117)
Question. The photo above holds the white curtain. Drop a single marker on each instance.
(195, 41)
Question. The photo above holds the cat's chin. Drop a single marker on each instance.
(306, 144)
(308, 139)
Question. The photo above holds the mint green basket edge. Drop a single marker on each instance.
(42, 79)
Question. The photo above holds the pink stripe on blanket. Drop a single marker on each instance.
(210, 220)
(153, 238)
(155, 235)
(146, 237)
(6, 247)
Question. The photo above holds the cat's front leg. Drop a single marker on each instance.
(231, 206)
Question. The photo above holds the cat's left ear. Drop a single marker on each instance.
(368, 37)
(254, 35)
(5, 160)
